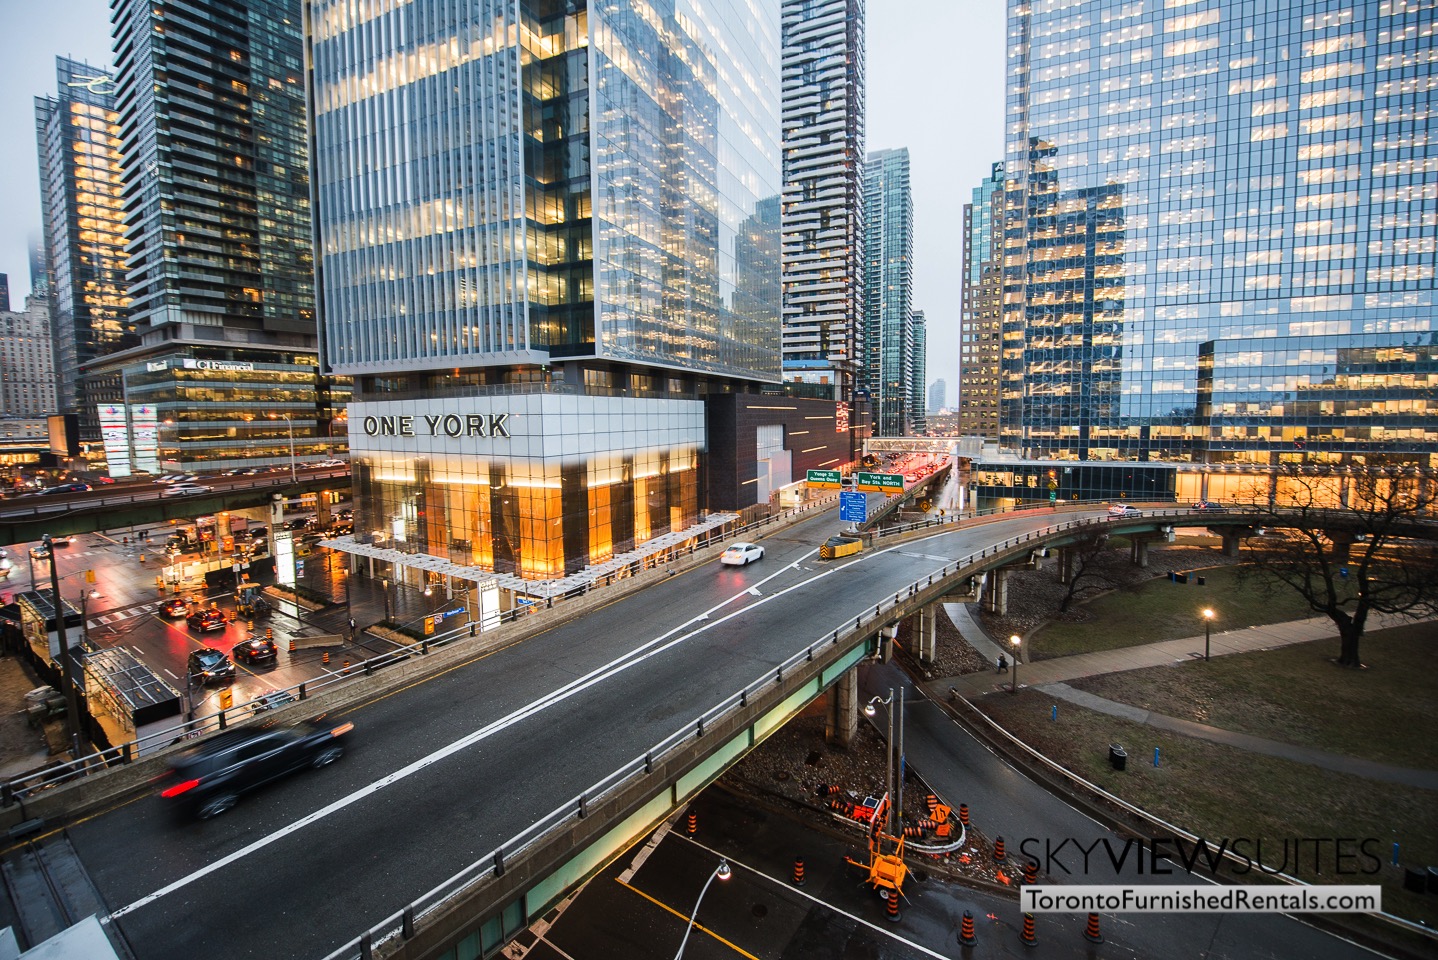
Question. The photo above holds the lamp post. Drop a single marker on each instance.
(1014, 641)
(723, 873)
(1207, 624)
(385, 583)
(72, 706)
(895, 768)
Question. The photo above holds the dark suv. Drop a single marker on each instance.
(207, 780)
(211, 666)
(255, 650)
(206, 620)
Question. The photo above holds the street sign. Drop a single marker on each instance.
(881, 482)
(823, 478)
(853, 507)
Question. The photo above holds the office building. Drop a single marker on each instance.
(555, 283)
(918, 372)
(80, 194)
(823, 235)
(888, 290)
(1219, 234)
(210, 98)
(938, 396)
(27, 369)
(981, 297)
(4, 293)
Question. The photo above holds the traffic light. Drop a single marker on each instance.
(227, 699)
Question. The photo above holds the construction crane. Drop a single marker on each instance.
(886, 870)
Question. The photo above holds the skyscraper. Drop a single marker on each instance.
(918, 373)
(211, 103)
(27, 370)
(549, 238)
(823, 141)
(79, 148)
(1220, 233)
(981, 296)
(888, 289)
(938, 395)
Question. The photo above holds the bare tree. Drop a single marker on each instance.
(1353, 545)
(1089, 566)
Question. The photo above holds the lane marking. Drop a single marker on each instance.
(697, 926)
(791, 889)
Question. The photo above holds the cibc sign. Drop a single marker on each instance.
(491, 425)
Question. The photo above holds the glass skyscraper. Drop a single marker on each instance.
(547, 231)
(78, 137)
(981, 296)
(1219, 228)
(889, 290)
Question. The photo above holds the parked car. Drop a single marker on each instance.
(255, 650)
(206, 620)
(208, 666)
(185, 489)
(741, 554)
(209, 779)
(174, 608)
(1124, 510)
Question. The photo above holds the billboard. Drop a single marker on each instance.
(115, 432)
(147, 438)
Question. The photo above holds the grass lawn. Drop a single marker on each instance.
(1296, 695)
(1162, 610)
(1217, 791)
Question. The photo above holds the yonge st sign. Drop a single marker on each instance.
(450, 425)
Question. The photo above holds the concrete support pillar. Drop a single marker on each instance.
(996, 599)
(1138, 552)
(926, 633)
(1066, 564)
(842, 724)
(1232, 540)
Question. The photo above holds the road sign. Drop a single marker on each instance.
(881, 482)
(853, 507)
(823, 478)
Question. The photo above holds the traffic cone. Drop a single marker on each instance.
(1029, 936)
(927, 824)
(326, 658)
(798, 871)
(1031, 873)
(292, 644)
(933, 803)
(891, 904)
(1090, 932)
(693, 823)
(999, 854)
(913, 832)
(964, 815)
(270, 634)
(966, 930)
(828, 789)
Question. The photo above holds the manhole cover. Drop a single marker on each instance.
(782, 775)
(760, 911)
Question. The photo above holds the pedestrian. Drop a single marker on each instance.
(1003, 664)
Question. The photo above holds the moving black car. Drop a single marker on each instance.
(207, 780)
(210, 666)
(206, 620)
(175, 608)
(255, 650)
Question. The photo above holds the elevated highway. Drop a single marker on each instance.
(481, 789)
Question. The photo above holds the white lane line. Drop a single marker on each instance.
(791, 889)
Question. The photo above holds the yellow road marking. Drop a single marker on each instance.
(697, 926)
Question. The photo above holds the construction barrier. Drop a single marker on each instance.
(798, 871)
(1029, 935)
(693, 823)
(966, 930)
(1090, 932)
(932, 802)
(1031, 873)
(891, 904)
(999, 854)
(913, 832)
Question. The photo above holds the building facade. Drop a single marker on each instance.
(981, 299)
(1219, 241)
(211, 106)
(918, 373)
(27, 368)
(888, 290)
(540, 277)
(823, 167)
(938, 396)
(80, 206)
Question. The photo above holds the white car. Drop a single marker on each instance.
(1124, 510)
(185, 489)
(331, 463)
(741, 554)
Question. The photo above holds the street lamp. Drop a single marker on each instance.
(1014, 641)
(1207, 624)
(723, 873)
(291, 424)
(385, 582)
(895, 768)
(72, 706)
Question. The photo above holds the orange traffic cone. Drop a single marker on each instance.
(693, 823)
(1029, 935)
(798, 871)
(326, 658)
(1090, 932)
(891, 905)
(999, 854)
(1031, 873)
(966, 930)
(964, 814)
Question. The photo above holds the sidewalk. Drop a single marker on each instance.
(1165, 653)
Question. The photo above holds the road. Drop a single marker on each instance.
(442, 772)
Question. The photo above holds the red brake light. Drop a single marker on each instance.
(180, 788)
(342, 728)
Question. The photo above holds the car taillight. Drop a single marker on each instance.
(180, 788)
(342, 728)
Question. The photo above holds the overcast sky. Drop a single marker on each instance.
(936, 86)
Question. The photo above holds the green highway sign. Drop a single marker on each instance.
(823, 478)
(881, 482)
